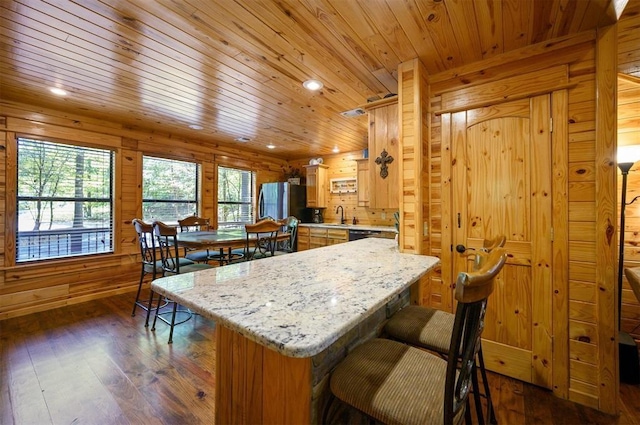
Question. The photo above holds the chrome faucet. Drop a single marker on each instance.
(341, 213)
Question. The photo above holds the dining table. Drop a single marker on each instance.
(284, 322)
(221, 239)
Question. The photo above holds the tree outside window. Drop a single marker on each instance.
(169, 189)
(235, 197)
(65, 200)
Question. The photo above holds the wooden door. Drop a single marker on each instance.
(501, 184)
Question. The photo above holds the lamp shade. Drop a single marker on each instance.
(628, 154)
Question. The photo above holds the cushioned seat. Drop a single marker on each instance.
(261, 239)
(194, 223)
(431, 328)
(425, 327)
(149, 264)
(172, 264)
(396, 383)
(290, 226)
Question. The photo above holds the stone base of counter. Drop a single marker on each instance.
(255, 384)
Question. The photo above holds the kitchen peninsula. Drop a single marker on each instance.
(284, 322)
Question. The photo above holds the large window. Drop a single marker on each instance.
(169, 189)
(65, 200)
(235, 197)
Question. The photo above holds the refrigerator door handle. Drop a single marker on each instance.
(261, 204)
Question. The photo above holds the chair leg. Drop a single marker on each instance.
(173, 321)
(467, 413)
(155, 318)
(476, 395)
(146, 323)
(491, 414)
(135, 303)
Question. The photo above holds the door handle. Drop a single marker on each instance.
(461, 248)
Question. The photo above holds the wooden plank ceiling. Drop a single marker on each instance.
(236, 68)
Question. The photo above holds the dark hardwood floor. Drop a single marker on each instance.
(93, 363)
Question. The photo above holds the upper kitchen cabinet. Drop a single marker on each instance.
(316, 186)
(384, 158)
(363, 178)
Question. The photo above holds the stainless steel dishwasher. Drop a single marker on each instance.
(354, 235)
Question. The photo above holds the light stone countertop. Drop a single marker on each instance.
(299, 304)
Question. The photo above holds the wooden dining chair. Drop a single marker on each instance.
(149, 264)
(397, 383)
(430, 328)
(290, 226)
(261, 239)
(193, 223)
(172, 263)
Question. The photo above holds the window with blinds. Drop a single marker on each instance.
(235, 197)
(65, 200)
(169, 189)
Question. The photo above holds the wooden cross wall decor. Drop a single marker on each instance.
(382, 161)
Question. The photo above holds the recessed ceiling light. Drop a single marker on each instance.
(312, 85)
(336, 150)
(271, 146)
(195, 127)
(58, 91)
(243, 139)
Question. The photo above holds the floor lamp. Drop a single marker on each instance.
(628, 350)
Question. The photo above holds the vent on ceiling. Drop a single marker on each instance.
(353, 113)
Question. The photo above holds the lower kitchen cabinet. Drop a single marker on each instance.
(336, 236)
(303, 238)
(315, 237)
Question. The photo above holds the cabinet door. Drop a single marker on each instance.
(312, 187)
(303, 238)
(363, 182)
(336, 236)
(317, 237)
(322, 186)
(383, 136)
(316, 186)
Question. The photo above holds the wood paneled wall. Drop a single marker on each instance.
(578, 321)
(42, 285)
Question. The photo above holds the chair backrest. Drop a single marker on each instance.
(633, 276)
(488, 245)
(166, 236)
(193, 223)
(290, 225)
(261, 239)
(472, 291)
(146, 242)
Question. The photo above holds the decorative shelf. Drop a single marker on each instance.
(344, 185)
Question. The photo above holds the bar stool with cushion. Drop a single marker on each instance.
(396, 383)
(172, 264)
(193, 223)
(148, 254)
(431, 329)
(290, 226)
(261, 239)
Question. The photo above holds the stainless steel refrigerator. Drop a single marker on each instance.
(281, 200)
